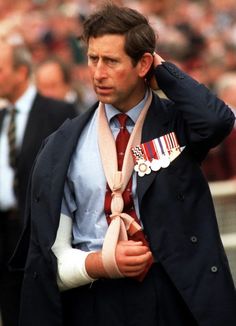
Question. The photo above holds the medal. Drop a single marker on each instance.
(155, 154)
(142, 167)
(155, 165)
(164, 161)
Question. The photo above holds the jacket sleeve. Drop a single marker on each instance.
(207, 118)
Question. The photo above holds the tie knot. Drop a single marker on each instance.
(122, 118)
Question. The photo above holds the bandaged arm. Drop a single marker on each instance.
(70, 261)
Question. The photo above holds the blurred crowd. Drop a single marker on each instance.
(197, 35)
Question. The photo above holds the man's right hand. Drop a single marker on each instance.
(132, 257)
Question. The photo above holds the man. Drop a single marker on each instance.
(35, 118)
(178, 274)
(53, 79)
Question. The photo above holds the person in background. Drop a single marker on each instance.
(53, 78)
(225, 88)
(123, 229)
(24, 123)
(220, 163)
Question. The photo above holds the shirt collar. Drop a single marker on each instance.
(133, 113)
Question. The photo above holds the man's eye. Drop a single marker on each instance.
(93, 59)
(111, 61)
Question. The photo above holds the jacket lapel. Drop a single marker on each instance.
(33, 125)
(155, 125)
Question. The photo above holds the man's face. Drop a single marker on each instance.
(7, 74)
(49, 81)
(115, 80)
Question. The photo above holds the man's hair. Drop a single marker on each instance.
(21, 56)
(112, 19)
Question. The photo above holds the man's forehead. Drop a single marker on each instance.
(108, 44)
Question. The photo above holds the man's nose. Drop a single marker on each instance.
(100, 71)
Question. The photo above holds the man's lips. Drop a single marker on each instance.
(103, 89)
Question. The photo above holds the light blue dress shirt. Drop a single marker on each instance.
(85, 186)
(23, 106)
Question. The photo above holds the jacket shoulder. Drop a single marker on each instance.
(54, 107)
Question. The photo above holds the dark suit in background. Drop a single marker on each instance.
(36, 118)
(45, 116)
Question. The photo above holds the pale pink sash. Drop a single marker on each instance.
(117, 181)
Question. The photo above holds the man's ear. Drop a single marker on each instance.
(145, 63)
(22, 72)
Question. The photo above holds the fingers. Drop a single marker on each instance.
(132, 257)
(130, 243)
(133, 266)
(157, 59)
(137, 261)
(131, 248)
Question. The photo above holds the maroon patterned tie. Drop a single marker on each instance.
(121, 144)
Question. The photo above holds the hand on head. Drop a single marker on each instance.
(157, 60)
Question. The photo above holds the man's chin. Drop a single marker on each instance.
(105, 99)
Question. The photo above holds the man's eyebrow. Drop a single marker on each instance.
(106, 56)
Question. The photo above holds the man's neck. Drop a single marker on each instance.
(21, 89)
